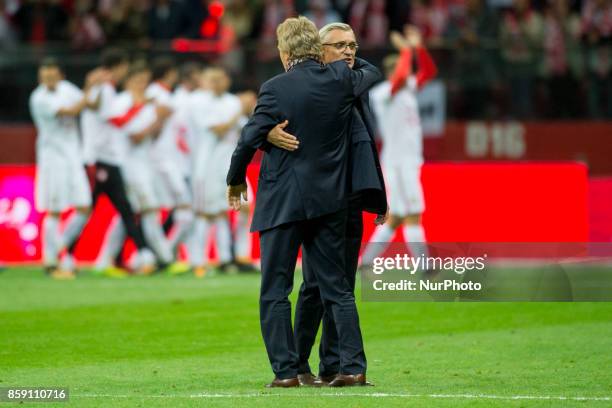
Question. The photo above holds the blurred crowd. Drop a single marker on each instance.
(519, 53)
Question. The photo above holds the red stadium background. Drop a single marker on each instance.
(499, 182)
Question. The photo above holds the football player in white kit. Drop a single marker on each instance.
(202, 145)
(242, 235)
(167, 150)
(217, 120)
(190, 75)
(397, 113)
(138, 120)
(108, 152)
(61, 181)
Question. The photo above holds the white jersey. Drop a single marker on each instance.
(399, 123)
(159, 94)
(110, 149)
(170, 150)
(185, 133)
(219, 110)
(200, 119)
(181, 100)
(127, 119)
(90, 129)
(207, 111)
(214, 154)
(57, 135)
(61, 181)
(165, 146)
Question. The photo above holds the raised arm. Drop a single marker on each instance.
(407, 44)
(427, 69)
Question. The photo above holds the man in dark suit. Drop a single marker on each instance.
(302, 195)
(367, 193)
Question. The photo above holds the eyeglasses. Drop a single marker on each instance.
(341, 46)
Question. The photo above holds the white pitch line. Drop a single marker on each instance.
(354, 394)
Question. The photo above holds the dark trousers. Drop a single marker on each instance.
(310, 310)
(110, 182)
(322, 240)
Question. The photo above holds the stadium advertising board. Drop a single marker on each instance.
(477, 202)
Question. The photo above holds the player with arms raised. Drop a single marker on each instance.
(397, 113)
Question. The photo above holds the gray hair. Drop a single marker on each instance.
(325, 30)
(299, 38)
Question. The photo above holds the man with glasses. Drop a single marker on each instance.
(302, 195)
(367, 193)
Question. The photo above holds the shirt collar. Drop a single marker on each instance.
(295, 62)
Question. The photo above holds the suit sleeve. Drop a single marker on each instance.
(363, 76)
(254, 134)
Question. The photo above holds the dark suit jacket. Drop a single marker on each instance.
(366, 175)
(312, 181)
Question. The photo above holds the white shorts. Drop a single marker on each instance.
(61, 184)
(404, 190)
(171, 186)
(139, 179)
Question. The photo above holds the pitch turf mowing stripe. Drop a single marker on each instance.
(488, 364)
(353, 394)
(296, 398)
(148, 337)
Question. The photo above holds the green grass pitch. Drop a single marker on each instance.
(182, 342)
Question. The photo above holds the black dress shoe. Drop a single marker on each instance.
(286, 383)
(349, 380)
(307, 380)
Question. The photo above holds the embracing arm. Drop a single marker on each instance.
(363, 76)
